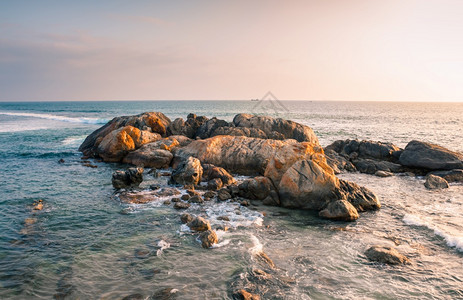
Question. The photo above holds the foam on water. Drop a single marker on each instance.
(452, 240)
(73, 140)
(162, 245)
(239, 216)
(84, 120)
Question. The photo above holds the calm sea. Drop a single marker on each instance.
(86, 245)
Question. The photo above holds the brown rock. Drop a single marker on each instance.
(223, 195)
(129, 178)
(340, 210)
(212, 172)
(196, 199)
(185, 197)
(245, 295)
(430, 156)
(208, 238)
(181, 205)
(149, 155)
(186, 218)
(386, 255)
(434, 182)
(214, 184)
(189, 171)
(199, 224)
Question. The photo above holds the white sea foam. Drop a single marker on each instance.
(238, 215)
(452, 240)
(257, 245)
(163, 245)
(73, 140)
(57, 118)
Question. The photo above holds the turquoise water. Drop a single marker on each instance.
(85, 244)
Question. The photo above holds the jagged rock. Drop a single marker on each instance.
(212, 172)
(386, 255)
(129, 178)
(209, 194)
(189, 171)
(208, 238)
(149, 156)
(370, 166)
(245, 295)
(186, 218)
(168, 143)
(240, 131)
(245, 155)
(340, 210)
(277, 128)
(214, 184)
(434, 182)
(451, 176)
(365, 149)
(199, 224)
(156, 122)
(188, 128)
(338, 162)
(360, 197)
(223, 195)
(181, 205)
(430, 156)
(259, 188)
(207, 129)
(118, 143)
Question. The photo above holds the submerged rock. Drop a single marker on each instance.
(245, 295)
(189, 171)
(430, 156)
(386, 255)
(129, 178)
(434, 182)
(208, 238)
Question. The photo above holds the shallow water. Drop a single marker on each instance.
(86, 244)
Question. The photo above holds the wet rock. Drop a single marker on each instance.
(192, 192)
(214, 184)
(199, 224)
(259, 188)
(118, 143)
(213, 172)
(155, 186)
(129, 178)
(175, 200)
(338, 162)
(181, 205)
(434, 182)
(245, 295)
(189, 171)
(149, 156)
(187, 128)
(208, 238)
(340, 210)
(185, 197)
(164, 294)
(153, 122)
(186, 218)
(38, 205)
(266, 259)
(196, 199)
(167, 202)
(364, 149)
(89, 165)
(166, 192)
(61, 161)
(386, 255)
(430, 156)
(451, 176)
(383, 174)
(207, 129)
(360, 197)
(223, 218)
(209, 194)
(370, 166)
(223, 195)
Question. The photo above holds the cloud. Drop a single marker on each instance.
(140, 19)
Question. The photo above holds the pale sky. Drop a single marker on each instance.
(388, 50)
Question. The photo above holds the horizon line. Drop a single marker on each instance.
(306, 100)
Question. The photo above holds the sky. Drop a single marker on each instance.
(394, 50)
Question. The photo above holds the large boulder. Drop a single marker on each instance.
(365, 149)
(451, 175)
(188, 171)
(434, 182)
(259, 188)
(276, 128)
(211, 172)
(155, 122)
(118, 143)
(249, 156)
(132, 177)
(149, 156)
(188, 128)
(386, 255)
(429, 156)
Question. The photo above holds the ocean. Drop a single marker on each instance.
(85, 244)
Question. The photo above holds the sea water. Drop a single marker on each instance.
(85, 244)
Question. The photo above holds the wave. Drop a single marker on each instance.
(73, 140)
(451, 240)
(82, 120)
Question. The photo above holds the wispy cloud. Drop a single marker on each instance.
(140, 19)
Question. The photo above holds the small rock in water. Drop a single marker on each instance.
(386, 255)
(164, 294)
(340, 210)
(223, 194)
(208, 238)
(30, 221)
(223, 218)
(245, 295)
(38, 205)
(61, 161)
(434, 182)
(181, 205)
(131, 177)
(175, 200)
(264, 257)
(192, 192)
(209, 194)
(88, 165)
(167, 202)
(155, 187)
(199, 224)
(384, 174)
(186, 218)
(185, 197)
(214, 184)
(196, 199)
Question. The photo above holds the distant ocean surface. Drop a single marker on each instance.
(87, 245)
